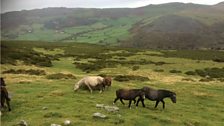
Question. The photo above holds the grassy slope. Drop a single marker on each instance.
(198, 103)
(105, 30)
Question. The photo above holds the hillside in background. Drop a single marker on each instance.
(164, 26)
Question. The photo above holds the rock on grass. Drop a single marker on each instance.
(99, 115)
(67, 122)
(111, 108)
(22, 123)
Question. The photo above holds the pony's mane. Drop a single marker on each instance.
(168, 92)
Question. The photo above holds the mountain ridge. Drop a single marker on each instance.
(120, 26)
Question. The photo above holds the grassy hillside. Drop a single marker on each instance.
(177, 25)
(176, 32)
(43, 98)
(64, 24)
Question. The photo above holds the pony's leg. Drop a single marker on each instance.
(121, 101)
(115, 100)
(142, 100)
(7, 102)
(101, 88)
(157, 102)
(163, 104)
(2, 101)
(90, 89)
(134, 101)
(138, 101)
(129, 104)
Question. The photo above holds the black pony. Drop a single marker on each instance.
(4, 95)
(129, 94)
(157, 95)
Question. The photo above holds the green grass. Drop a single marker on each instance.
(105, 31)
(198, 103)
(42, 34)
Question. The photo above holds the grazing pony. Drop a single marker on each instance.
(157, 95)
(4, 95)
(93, 82)
(129, 94)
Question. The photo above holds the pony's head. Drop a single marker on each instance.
(76, 87)
(2, 82)
(107, 81)
(173, 97)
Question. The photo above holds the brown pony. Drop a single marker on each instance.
(4, 95)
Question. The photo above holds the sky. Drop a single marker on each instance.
(17, 5)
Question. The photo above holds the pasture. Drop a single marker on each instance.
(42, 100)
(105, 31)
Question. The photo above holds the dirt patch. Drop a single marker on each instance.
(203, 94)
(56, 93)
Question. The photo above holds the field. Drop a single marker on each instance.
(105, 31)
(42, 98)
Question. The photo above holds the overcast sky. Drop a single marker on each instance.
(14, 5)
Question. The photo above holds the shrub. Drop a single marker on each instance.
(134, 68)
(218, 60)
(206, 79)
(105, 63)
(158, 70)
(201, 72)
(87, 67)
(190, 73)
(60, 76)
(175, 71)
(122, 78)
(27, 55)
(188, 79)
(208, 72)
(21, 71)
(215, 72)
(159, 63)
(221, 79)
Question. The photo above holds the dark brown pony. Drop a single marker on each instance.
(157, 95)
(129, 94)
(4, 95)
